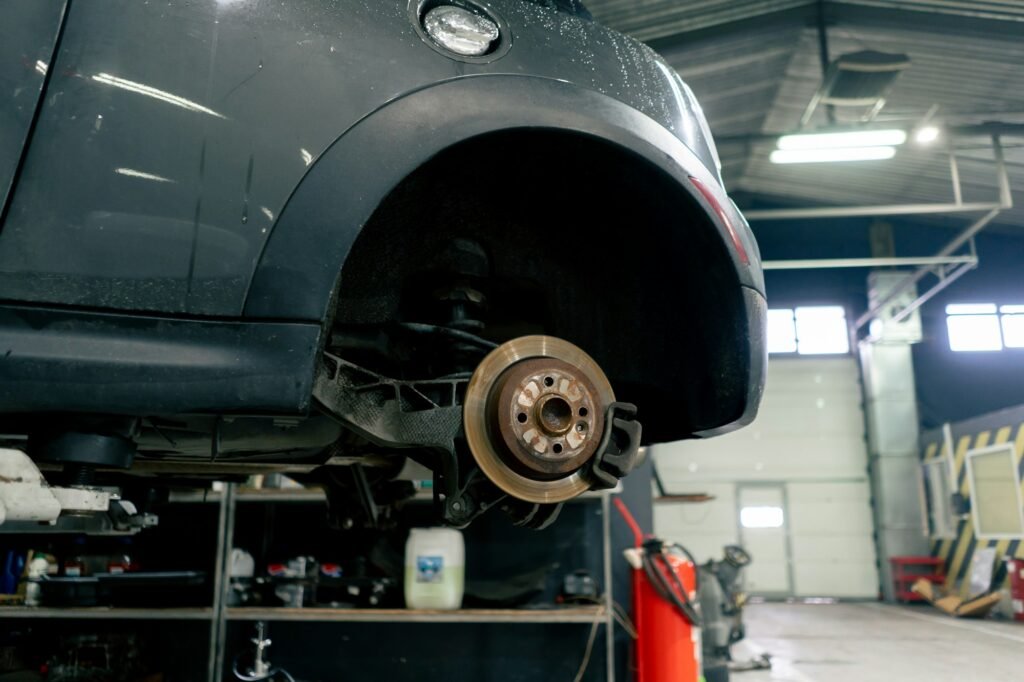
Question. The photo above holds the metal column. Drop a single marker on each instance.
(221, 582)
(892, 427)
(609, 599)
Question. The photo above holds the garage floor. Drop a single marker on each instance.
(857, 642)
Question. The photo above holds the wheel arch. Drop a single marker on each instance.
(683, 353)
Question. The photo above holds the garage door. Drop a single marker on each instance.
(764, 533)
(807, 445)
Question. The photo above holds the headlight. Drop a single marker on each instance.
(460, 30)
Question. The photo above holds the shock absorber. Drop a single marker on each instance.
(457, 301)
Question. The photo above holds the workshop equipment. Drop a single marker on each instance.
(668, 646)
(907, 570)
(259, 669)
(721, 608)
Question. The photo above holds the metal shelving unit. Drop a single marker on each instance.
(219, 615)
(586, 614)
(602, 614)
(310, 495)
(213, 615)
(103, 613)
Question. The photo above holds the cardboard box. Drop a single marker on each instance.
(975, 607)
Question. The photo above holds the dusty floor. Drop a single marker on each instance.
(860, 642)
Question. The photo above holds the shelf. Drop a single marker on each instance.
(576, 614)
(693, 498)
(916, 561)
(252, 495)
(309, 495)
(104, 613)
(931, 577)
(281, 495)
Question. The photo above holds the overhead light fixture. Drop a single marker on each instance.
(850, 145)
(844, 140)
(826, 155)
(926, 134)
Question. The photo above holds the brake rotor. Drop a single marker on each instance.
(534, 415)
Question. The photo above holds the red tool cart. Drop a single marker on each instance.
(906, 570)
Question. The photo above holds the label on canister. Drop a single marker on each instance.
(429, 569)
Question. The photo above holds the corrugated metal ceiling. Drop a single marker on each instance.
(736, 77)
(650, 19)
(756, 76)
(956, 70)
(1000, 10)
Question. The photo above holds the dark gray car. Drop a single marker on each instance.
(486, 236)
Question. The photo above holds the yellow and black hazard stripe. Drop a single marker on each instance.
(972, 435)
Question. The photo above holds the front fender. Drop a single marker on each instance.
(300, 265)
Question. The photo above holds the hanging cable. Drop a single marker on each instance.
(665, 581)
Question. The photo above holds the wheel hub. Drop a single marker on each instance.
(534, 415)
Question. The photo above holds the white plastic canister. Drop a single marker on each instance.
(435, 568)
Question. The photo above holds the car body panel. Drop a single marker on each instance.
(300, 266)
(25, 54)
(119, 364)
(199, 170)
(173, 134)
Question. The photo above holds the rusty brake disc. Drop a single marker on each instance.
(534, 415)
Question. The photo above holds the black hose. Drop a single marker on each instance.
(696, 573)
(655, 556)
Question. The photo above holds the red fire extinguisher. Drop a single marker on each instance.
(664, 608)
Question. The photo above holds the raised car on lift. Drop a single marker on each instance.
(334, 238)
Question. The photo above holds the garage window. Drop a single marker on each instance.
(984, 326)
(938, 494)
(1012, 317)
(996, 503)
(762, 517)
(808, 330)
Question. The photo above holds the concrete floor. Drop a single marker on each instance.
(858, 642)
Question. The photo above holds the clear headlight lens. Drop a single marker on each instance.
(460, 30)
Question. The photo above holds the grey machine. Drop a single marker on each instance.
(721, 602)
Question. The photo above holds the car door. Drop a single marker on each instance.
(28, 35)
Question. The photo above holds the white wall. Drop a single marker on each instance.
(809, 435)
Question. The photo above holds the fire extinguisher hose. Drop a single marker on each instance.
(670, 588)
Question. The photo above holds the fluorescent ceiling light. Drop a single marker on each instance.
(857, 138)
(826, 155)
